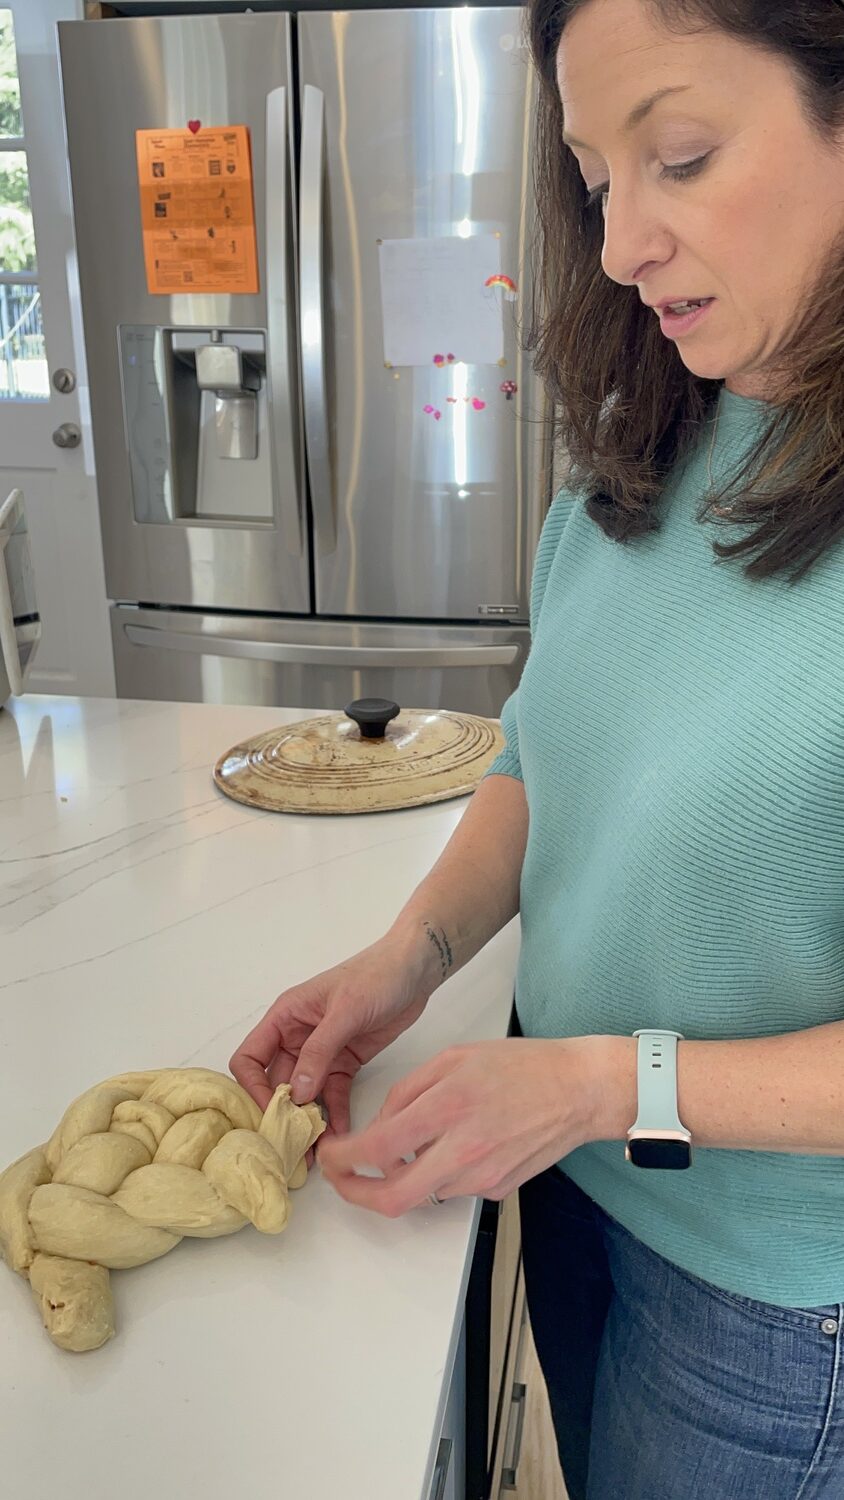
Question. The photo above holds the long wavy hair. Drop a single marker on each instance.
(627, 409)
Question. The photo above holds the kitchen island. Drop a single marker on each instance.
(148, 921)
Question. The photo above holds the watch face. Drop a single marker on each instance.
(669, 1155)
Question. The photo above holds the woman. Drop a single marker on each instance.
(668, 814)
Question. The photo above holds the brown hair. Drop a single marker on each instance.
(628, 410)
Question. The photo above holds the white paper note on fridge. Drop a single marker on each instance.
(434, 301)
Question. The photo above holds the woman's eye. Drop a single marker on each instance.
(686, 169)
(679, 173)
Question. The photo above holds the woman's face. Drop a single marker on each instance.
(749, 226)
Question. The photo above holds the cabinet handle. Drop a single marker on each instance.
(441, 1470)
(509, 1471)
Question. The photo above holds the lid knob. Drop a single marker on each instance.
(372, 715)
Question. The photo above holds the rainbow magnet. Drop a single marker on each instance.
(507, 285)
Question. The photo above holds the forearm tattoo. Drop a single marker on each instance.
(443, 947)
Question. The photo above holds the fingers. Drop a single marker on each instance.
(403, 1189)
(387, 1140)
(336, 1094)
(395, 1165)
(317, 1054)
(252, 1077)
(264, 1060)
(280, 1070)
(254, 1055)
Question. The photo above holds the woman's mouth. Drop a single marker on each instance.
(674, 324)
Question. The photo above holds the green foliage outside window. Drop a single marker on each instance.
(10, 100)
(17, 243)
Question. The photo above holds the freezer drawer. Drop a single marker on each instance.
(182, 656)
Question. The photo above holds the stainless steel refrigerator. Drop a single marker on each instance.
(286, 519)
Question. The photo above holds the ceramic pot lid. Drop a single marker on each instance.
(374, 757)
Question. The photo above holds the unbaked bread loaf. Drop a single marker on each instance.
(136, 1163)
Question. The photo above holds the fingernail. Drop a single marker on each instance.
(301, 1088)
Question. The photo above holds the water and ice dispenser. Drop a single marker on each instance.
(196, 407)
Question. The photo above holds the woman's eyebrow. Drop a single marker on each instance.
(637, 113)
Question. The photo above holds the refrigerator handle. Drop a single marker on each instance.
(312, 316)
(291, 654)
(287, 479)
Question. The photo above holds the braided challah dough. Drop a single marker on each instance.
(136, 1163)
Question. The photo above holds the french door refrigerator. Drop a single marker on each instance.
(289, 515)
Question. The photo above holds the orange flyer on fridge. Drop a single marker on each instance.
(197, 209)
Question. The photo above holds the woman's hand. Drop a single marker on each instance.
(324, 1030)
(483, 1118)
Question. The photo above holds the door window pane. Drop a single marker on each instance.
(10, 99)
(17, 240)
(23, 360)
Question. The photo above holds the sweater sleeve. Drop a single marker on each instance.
(508, 761)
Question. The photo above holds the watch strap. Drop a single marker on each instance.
(656, 1071)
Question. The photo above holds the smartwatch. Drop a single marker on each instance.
(657, 1138)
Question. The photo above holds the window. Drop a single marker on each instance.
(23, 359)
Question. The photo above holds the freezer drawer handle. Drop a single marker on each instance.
(312, 316)
(322, 656)
(441, 1470)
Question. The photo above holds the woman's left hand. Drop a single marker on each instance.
(483, 1118)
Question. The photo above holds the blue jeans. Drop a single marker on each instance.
(663, 1387)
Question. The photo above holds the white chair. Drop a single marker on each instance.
(20, 624)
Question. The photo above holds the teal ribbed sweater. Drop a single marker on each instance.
(680, 733)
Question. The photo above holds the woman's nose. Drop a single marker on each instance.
(634, 241)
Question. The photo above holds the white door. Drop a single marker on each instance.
(42, 373)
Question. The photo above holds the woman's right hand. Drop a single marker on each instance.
(325, 1029)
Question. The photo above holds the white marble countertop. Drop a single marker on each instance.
(147, 921)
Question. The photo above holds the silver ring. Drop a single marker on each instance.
(433, 1199)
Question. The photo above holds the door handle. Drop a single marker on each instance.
(312, 316)
(64, 381)
(67, 436)
(285, 445)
